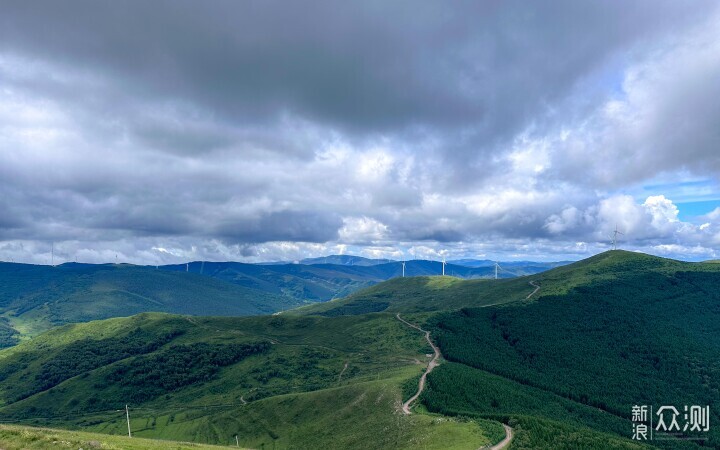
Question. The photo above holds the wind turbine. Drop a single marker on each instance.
(403, 264)
(443, 265)
(497, 266)
(614, 237)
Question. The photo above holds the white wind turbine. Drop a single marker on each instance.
(614, 237)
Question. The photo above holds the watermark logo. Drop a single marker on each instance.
(668, 422)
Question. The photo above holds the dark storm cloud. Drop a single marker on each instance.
(372, 65)
(305, 226)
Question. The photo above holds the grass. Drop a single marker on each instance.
(357, 415)
(423, 294)
(13, 437)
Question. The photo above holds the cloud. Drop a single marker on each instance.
(661, 120)
(261, 130)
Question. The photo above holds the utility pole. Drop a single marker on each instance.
(127, 414)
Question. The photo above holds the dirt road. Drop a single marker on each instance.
(505, 442)
(431, 365)
(537, 288)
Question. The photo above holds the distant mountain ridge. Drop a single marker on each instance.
(34, 298)
(345, 260)
(320, 282)
(354, 260)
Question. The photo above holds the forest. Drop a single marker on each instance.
(650, 340)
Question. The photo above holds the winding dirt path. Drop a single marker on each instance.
(537, 288)
(505, 442)
(431, 365)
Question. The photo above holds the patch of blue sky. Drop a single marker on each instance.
(694, 198)
(693, 211)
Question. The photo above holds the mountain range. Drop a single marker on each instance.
(34, 298)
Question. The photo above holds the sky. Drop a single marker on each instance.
(154, 132)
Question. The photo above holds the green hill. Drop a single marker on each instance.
(616, 330)
(432, 294)
(35, 298)
(422, 294)
(289, 382)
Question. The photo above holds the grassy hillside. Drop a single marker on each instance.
(599, 336)
(608, 333)
(423, 294)
(35, 298)
(289, 382)
(14, 437)
(435, 293)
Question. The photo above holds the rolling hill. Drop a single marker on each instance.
(35, 298)
(287, 382)
(562, 364)
(617, 330)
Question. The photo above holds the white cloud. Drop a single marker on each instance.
(362, 230)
